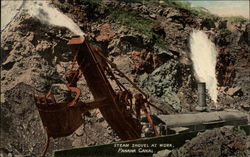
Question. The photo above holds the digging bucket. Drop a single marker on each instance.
(59, 119)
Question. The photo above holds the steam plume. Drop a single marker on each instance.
(204, 61)
(48, 14)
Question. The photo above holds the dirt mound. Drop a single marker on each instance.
(225, 141)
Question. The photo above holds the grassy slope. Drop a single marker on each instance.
(144, 25)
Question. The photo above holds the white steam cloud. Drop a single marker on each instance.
(48, 14)
(204, 61)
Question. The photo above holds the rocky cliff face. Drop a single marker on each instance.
(164, 31)
(152, 39)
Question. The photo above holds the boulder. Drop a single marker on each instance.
(236, 91)
(61, 93)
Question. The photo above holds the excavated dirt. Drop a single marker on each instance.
(34, 56)
(225, 141)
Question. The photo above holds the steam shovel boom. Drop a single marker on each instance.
(92, 67)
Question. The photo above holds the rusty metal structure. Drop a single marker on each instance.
(93, 67)
(62, 119)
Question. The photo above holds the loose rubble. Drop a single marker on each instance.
(225, 141)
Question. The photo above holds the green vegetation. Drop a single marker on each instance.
(96, 4)
(235, 19)
(132, 19)
(145, 2)
(223, 31)
(144, 25)
(160, 42)
(200, 12)
(205, 14)
(93, 2)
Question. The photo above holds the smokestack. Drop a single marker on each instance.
(202, 94)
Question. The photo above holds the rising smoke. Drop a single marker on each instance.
(204, 61)
(48, 14)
